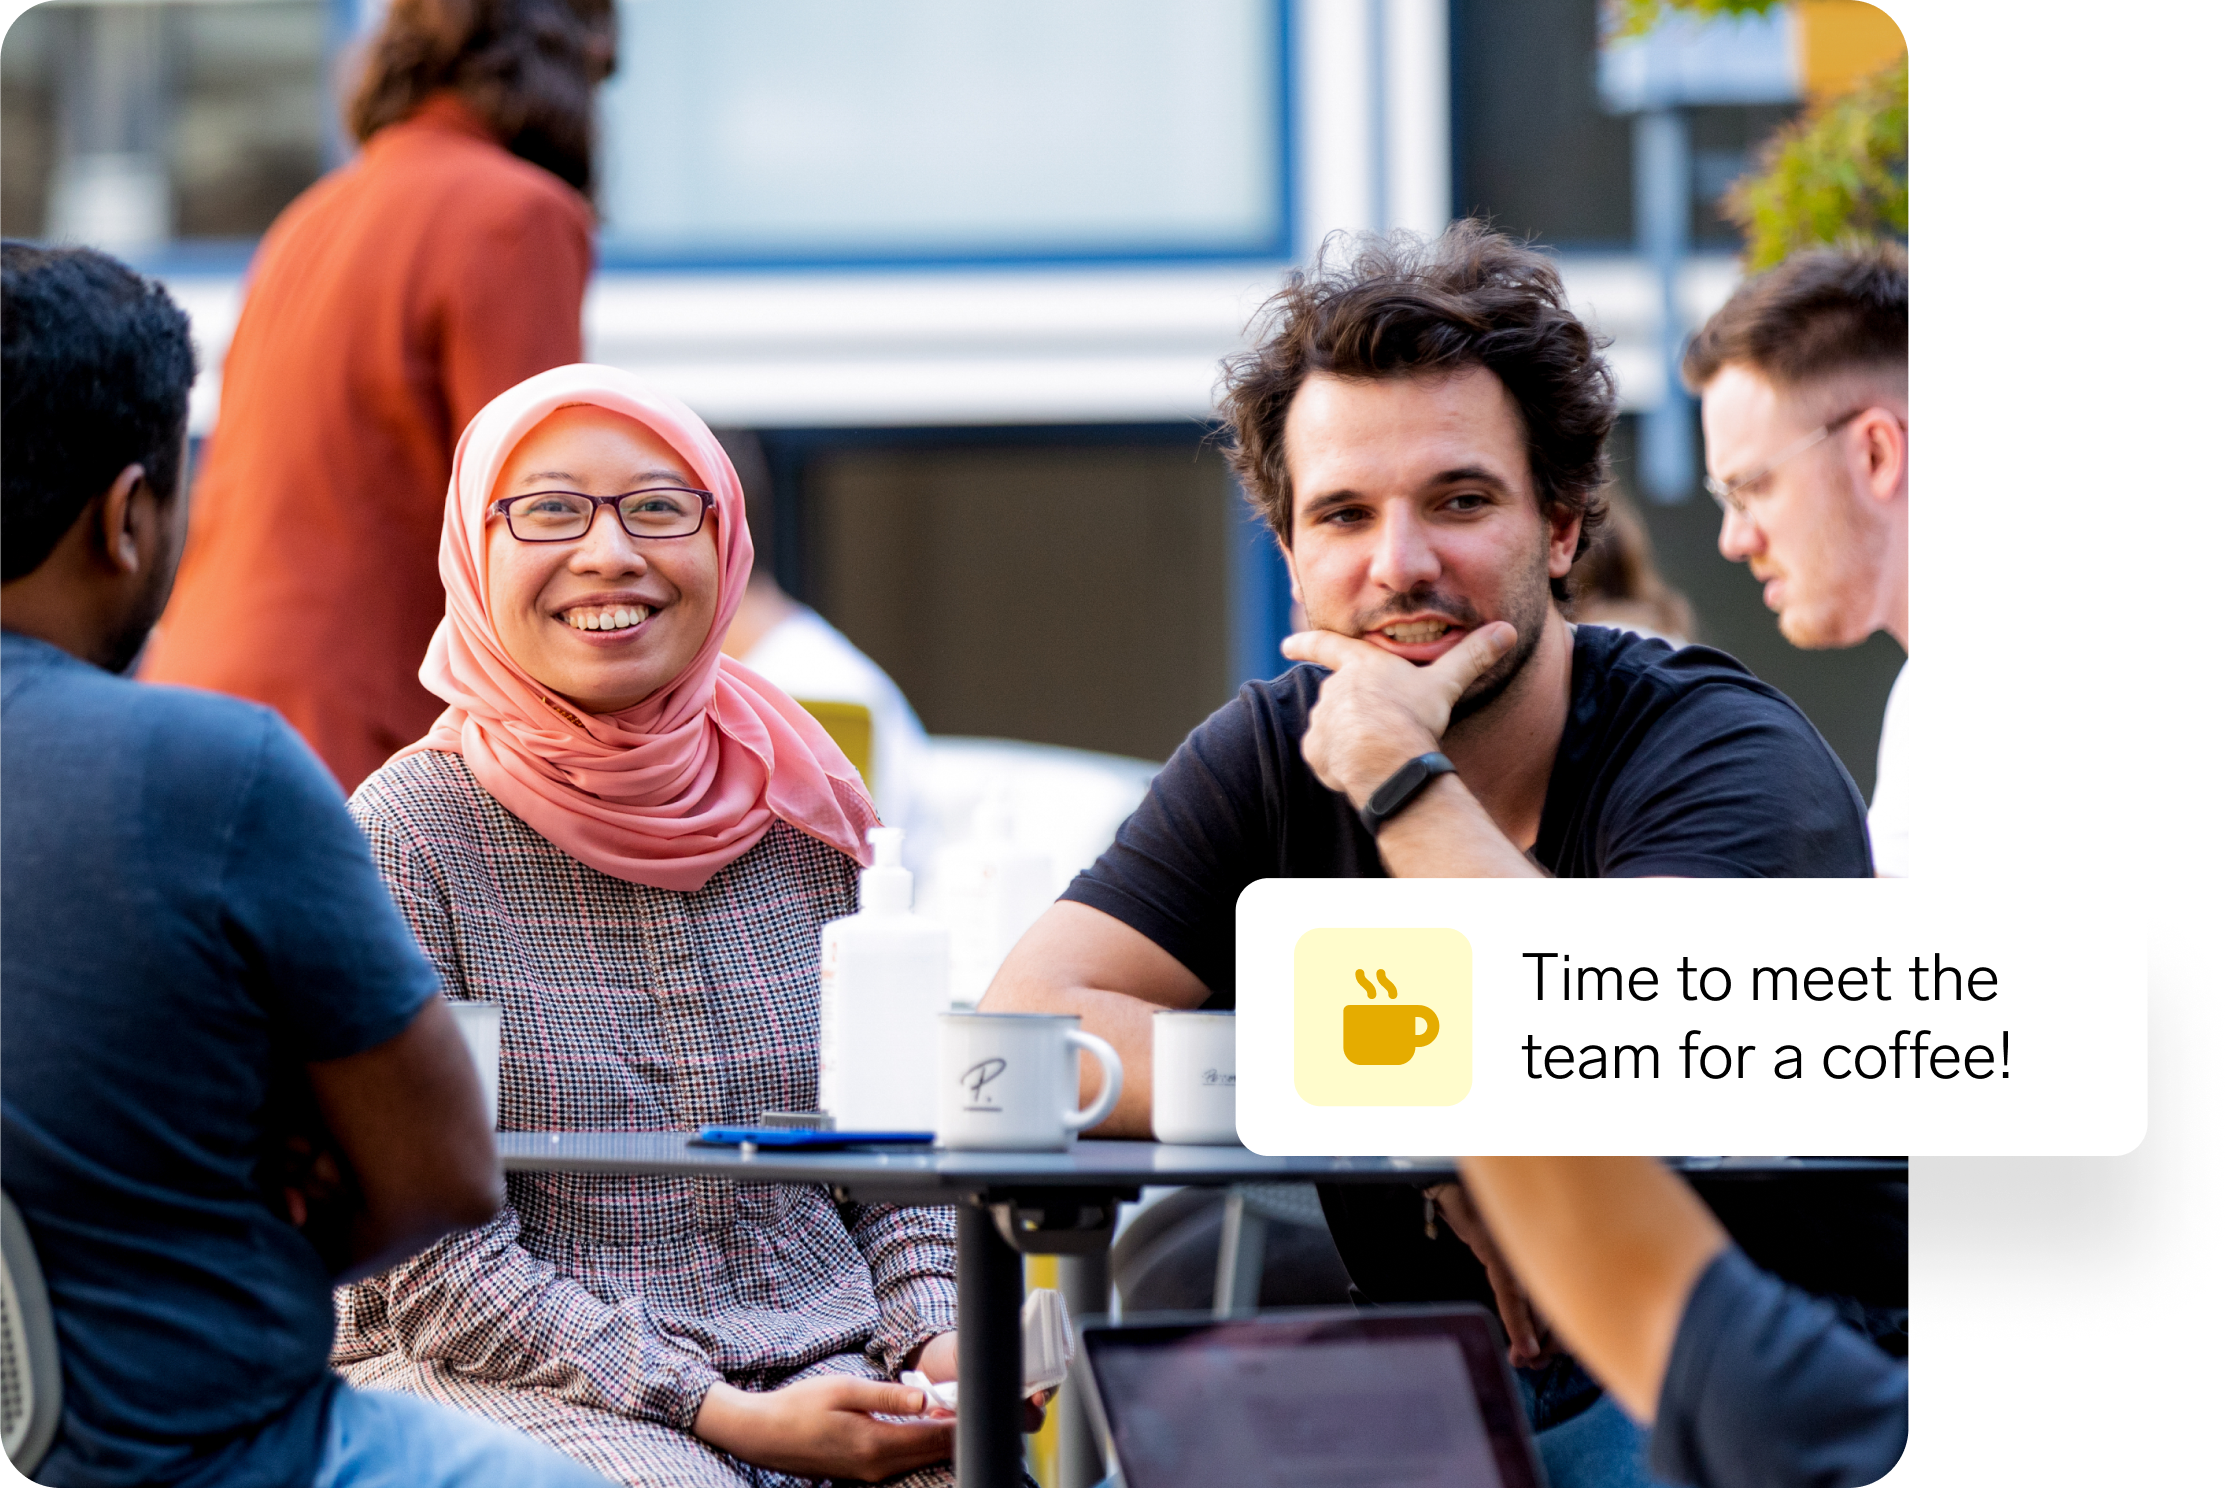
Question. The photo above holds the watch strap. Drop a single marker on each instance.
(1403, 787)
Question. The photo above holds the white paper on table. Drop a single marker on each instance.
(1048, 1345)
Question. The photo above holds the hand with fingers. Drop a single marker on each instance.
(939, 1360)
(834, 1426)
(1377, 711)
(1530, 1343)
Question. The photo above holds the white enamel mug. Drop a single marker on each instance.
(1008, 1081)
(481, 1023)
(1196, 1083)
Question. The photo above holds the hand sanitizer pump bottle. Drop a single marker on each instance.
(885, 976)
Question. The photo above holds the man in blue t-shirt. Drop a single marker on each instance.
(1745, 1381)
(228, 1078)
(1424, 430)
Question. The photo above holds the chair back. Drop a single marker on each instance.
(30, 1361)
(852, 727)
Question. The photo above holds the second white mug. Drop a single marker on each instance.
(1008, 1081)
(1196, 1084)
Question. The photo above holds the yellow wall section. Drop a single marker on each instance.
(1043, 1451)
(852, 727)
(1841, 41)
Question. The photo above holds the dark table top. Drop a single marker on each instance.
(934, 1175)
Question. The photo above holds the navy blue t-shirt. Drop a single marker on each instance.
(1766, 1389)
(1673, 763)
(187, 916)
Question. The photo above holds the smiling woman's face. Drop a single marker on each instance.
(606, 619)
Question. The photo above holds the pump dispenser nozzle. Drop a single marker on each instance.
(884, 886)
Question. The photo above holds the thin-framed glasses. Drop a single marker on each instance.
(1730, 494)
(562, 516)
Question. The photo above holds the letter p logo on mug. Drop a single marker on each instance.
(1382, 1017)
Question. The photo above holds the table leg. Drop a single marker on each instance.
(1084, 1287)
(990, 1434)
(1246, 1236)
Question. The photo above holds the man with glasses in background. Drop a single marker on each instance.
(1802, 376)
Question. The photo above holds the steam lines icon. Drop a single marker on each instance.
(1362, 981)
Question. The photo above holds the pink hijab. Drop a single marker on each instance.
(666, 792)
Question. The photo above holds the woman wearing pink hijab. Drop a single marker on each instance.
(631, 843)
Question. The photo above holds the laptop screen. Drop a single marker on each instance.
(1321, 1400)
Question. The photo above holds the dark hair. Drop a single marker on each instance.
(1617, 583)
(749, 456)
(528, 67)
(1813, 316)
(95, 365)
(1401, 306)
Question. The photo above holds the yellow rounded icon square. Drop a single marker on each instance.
(1382, 1017)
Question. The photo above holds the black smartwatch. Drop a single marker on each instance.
(1402, 787)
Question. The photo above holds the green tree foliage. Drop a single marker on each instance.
(1836, 174)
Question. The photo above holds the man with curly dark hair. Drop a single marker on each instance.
(1423, 427)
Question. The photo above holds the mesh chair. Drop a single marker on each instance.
(30, 1365)
(1232, 1251)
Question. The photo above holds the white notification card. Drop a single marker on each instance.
(1574, 1017)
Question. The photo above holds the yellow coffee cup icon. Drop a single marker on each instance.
(1359, 1039)
(1388, 1033)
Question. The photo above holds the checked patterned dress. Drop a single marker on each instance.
(593, 1312)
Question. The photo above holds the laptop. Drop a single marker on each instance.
(1414, 1396)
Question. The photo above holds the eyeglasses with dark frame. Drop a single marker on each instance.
(564, 516)
(1729, 494)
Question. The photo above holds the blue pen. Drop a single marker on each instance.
(805, 1139)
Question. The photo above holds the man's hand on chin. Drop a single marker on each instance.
(1377, 711)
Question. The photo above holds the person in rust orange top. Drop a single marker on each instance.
(385, 307)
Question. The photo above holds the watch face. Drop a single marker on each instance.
(1395, 790)
(1391, 797)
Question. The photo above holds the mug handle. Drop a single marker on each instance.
(1111, 1079)
(1432, 1026)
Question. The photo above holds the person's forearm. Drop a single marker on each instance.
(824, 1427)
(1066, 963)
(1124, 1021)
(406, 1119)
(1446, 833)
(1608, 1249)
(730, 1419)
